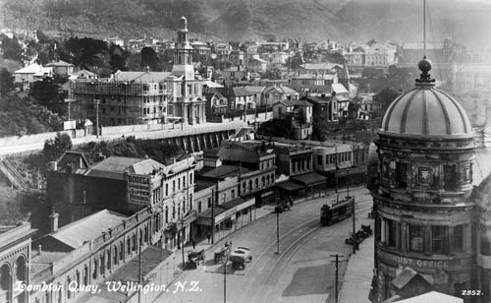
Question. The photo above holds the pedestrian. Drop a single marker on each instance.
(208, 236)
(194, 244)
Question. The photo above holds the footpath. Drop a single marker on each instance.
(358, 275)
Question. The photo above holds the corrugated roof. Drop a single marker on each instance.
(34, 69)
(339, 88)
(319, 66)
(143, 77)
(241, 91)
(225, 171)
(60, 63)
(88, 228)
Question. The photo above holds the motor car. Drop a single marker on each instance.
(243, 252)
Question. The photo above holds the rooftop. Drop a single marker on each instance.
(224, 171)
(86, 229)
(143, 77)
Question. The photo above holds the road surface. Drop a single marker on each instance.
(303, 271)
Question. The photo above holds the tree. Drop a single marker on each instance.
(385, 97)
(6, 82)
(149, 58)
(11, 48)
(117, 58)
(47, 93)
(54, 148)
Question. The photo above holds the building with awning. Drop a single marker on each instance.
(309, 179)
(235, 213)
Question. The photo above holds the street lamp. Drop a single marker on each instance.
(225, 261)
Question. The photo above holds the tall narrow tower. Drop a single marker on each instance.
(183, 64)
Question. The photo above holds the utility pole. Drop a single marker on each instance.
(213, 216)
(182, 240)
(139, 271)
(336, 277)
(97, 117)
(277, 224)
(354, 227)
(225, 261)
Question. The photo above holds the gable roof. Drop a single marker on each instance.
(339, 88)
(76, 233)
(34, 69)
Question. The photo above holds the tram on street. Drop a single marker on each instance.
(337, 211)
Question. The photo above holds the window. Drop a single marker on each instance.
(173, 186)
(178, 183)
(233, 193)
(121, 251)
(401, 174)
(209, 202)
(94, 273)
(416, 236)
(450, 177)
(391, 229)
(319, 160)
(190, 178)
(199, 206)
(437, 233)
(424, 176)
(115, 255)
(184, 181)
(166, 189)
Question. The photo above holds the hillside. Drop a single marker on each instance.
(343, 20)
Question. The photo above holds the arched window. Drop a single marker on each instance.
(86, 275)
(115, 255)
(5, 279)
(250, 185)
(121, 250)
(68, 292)
(20, 269)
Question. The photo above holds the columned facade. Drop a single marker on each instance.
(423, 214)
(15, 256)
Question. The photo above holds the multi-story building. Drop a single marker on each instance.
(314, 84)
(423, 215)
(277, 93)
(15, 261)
(145, 97)
(125, 185)
(325, 108)
(255, 163)
(124, 99)
(331, 158)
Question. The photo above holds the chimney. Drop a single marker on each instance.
(39, 249)
(53, 165)
(53, 221)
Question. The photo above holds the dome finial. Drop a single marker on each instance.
(425, 66)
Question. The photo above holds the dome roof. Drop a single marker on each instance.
(426, 111)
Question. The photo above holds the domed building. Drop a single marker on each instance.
(423, 211)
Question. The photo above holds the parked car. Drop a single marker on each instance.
(242, 252)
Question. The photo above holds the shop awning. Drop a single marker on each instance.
(224, 211)
(289, 186)
(309, 179)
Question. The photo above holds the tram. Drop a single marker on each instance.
(337, 211)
